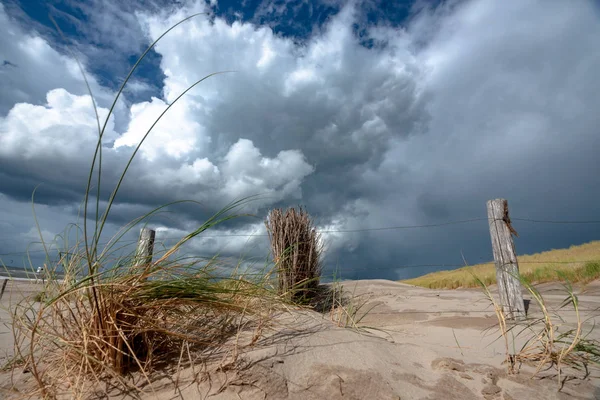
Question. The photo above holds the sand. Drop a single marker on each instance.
(429, 344)
(15, 290)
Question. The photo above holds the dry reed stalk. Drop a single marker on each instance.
(296, 247)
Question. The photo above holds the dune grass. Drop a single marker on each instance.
(578, 264)
(82, 332)
(546, 339)
(111, 316)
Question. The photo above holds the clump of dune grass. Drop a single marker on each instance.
(296, 247)
(548, 339)
(576, 263)
(344, 308)
(132, 320)
(347, 310)
(112, 316)
(552, 340)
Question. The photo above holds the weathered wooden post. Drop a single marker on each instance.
(507, 267)
(145, 247)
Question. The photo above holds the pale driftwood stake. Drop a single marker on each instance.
(145, 247)
(507, 267)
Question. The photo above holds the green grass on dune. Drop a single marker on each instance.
(577, 263)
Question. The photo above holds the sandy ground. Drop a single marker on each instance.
(15, 290)
(428, 344)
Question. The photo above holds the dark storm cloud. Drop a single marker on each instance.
(458, 108)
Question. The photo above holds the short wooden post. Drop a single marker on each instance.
(145, 247)
(3, 288)
(507, 267)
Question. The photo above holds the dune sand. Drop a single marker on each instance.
(430, 344)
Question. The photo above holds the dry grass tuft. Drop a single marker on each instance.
(547, 339)
(87, 331)
(296, 248)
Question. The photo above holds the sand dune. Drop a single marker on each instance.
(431, 344)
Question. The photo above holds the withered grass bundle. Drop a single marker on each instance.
(89, 331)
(296, 247)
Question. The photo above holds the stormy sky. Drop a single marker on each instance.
(370, 114)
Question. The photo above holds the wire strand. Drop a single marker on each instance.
(553, 221)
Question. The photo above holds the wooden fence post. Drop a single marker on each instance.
(507, 267)
(145, 247)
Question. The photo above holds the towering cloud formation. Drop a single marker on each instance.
(467, 102)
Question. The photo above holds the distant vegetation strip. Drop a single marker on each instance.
(535, 268)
